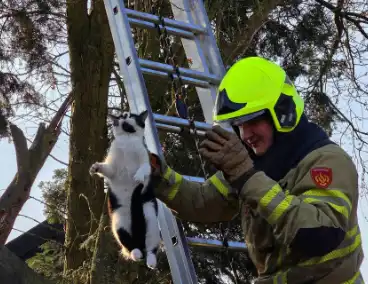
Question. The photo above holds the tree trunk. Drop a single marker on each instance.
(13, 270)
(91, 57)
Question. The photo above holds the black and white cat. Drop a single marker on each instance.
(132, 204)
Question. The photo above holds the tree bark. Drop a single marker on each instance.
(29, 163)
(91, 57)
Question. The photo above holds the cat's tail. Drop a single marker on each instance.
(128, 246)
(125, 252)
(129, 252)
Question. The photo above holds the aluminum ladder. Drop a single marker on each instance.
(192, 25)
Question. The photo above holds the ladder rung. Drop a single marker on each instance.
(183, 71)
(181, 122)
(168, 22)
(195, 179)
(216, 244)
(186, 80)
(176, 129)
(172, 31)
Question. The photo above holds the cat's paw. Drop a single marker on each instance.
(151, 260)
(140, 176)
(94, 169)
(136, 254)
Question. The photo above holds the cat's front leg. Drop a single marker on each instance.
(101, 169)
(142, 173)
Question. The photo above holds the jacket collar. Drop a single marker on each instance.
(290, 148)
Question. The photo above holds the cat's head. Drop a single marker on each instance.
(129, 123)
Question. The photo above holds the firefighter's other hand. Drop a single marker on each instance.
(226, 152)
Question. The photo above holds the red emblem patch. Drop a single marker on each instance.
(322, 177)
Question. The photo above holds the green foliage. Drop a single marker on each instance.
(31, 26)
(54, 194)
(49, 262)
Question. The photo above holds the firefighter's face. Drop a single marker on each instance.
(258, 135)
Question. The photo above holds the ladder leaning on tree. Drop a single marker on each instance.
(206, 70)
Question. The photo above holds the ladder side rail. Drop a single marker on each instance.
(211, 49)
(203, 51)
(207, 54)
(194, 13)
(182, 269)
(194, 51)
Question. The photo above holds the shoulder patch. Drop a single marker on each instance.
(322, 176)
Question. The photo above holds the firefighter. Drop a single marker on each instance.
(295, 190)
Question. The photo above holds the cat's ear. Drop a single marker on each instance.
(143, 115)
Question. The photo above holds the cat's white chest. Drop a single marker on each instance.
(125, 156)
(127, 163)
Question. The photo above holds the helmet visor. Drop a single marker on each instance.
(224, 105)
(238, 121)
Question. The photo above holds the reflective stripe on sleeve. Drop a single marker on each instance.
(335, 198)
(283, 253)
(174, 179)
(357, 279)
(351, 243)
(217, 183)
(276, 203)
(280, 278)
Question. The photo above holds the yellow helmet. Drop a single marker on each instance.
(254, 86)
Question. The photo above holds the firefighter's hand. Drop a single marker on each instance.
(158, 165)
(227, 153)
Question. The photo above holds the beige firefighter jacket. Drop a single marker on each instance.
(321, 191)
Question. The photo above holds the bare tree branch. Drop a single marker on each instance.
(30, 162)
(58, 160)
(347, 15)
(21, 149)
